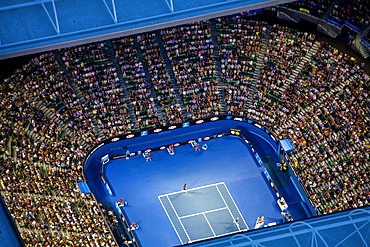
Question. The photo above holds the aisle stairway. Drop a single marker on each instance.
(330, 9)
(123, 84)
(170, 72)
(78, 93)
(336, 88)
(62, 124)
(217, 62)
(359, 46)
(28, 132)
(44, 109)
(296, 71)
(160, 110)
(342, 150)
(365, 31)
(318, 102)
(260, 63)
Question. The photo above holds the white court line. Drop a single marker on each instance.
(178, 218)
(203, 213)
(209, 211)
(208, 238)
(182, 191)
(214, 234)
(232, 216)
(171, 221)
(235, 204)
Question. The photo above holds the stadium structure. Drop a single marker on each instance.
(184, 123)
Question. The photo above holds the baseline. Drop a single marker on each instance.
(182, 191)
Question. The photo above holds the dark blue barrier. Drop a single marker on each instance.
(268, 177)
(266, 174)
(351, 26)
(258, 158)
(118, 145)
(306, 209)
(333, 22)
(365, 42)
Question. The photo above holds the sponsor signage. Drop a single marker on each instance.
(115, 139)
(166, 130)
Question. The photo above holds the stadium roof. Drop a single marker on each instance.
(28, 26)
(349, 228)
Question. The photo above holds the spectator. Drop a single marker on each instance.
(240, 40)
(189, 49)
(92, 71)
(165, 92)
(134, 77)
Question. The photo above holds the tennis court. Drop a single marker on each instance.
(224, 182)
(203, 212)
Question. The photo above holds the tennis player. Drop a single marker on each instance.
(237, 221)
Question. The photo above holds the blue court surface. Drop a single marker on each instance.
(203, 212)
(223, 183)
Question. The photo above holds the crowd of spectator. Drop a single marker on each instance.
(161, 80)
(326, 70)
(80, 220)
(332, 147)
(240, 41)
(93, 72)
(190, 49)
(355, 12)
(39, 171)
(134, 77)
(316, 8)
(285, 50)
(43, 79)
(325, 113)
